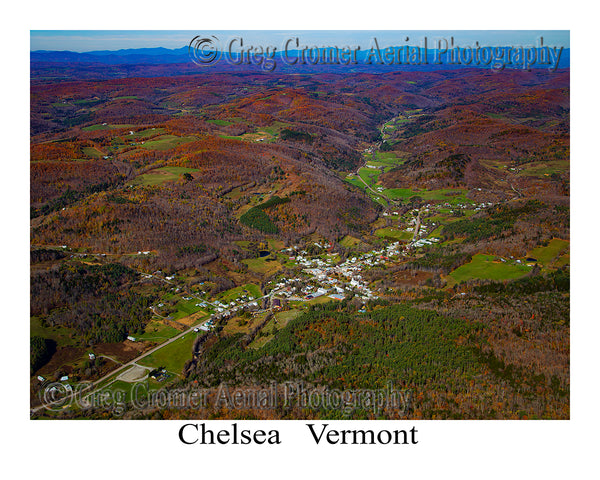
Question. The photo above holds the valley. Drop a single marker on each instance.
(341, 230)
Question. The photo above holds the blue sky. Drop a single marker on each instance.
(89, 40)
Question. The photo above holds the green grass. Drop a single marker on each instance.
(393, 233)
(159, 176)
(147, 133)
(369, 175)
(233, 293)
(262, 266)
(489, 268)
(388, 157)
(166, 142)
(221, 123)
(157, 331)
(350, 242)
(260, 342)
(563, 260)
(436, 233)
(186, 308)
(279, 321)
(545, 255)
(92, 152)
(63, 336)
(283, 318)
(355, 181)
(92, 128)
(275, 128)
(319, 300)
(452, 196)
(545, 169)
(172, 356)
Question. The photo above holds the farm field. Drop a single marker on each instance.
(157, 331)
(166, 142)
(279, 321)
(452, 196)
(350, 242)
(172, 356)
(394, 234)
(264, 265)
(244, 325)
(488, 267)
(92, 128)
(63, 336)
(92, 152)
(246, 289)
(161, 175)
(545, 255)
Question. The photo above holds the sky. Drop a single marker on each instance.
(91, 40)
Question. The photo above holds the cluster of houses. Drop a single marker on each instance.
(206, 326)
(322, 275)
(335, 281)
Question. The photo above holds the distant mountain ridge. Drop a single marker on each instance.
(161, 55)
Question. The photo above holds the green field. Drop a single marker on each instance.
(453, 196)
(221, 123)
(172, 356)
(488, 267)
(279, 321)
(233, 293)
(545, 255)
(91, 128)
(244, 325)
(354, 180)
(564, 259)
(166, 142)
(369, 175)
(149, 132)
(157, 331)
(186, 308)
(394, 234)
(546, 168)
(275, 128)
(92, 152)
(262, 265)
(161, 175)
(61, 335)
(350, 242)
(387, 157)
(436, 233)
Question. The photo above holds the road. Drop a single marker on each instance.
(417, 226)
(379, 194)
(375, 148)
(124, 366)
(93, 386)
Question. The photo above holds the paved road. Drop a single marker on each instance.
(417, 225)
(93, 387)
(375, 192)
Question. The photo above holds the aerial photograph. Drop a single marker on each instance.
(299, 225)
